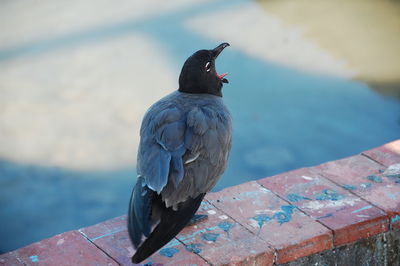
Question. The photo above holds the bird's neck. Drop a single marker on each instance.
(199, 90)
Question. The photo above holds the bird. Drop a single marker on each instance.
(185, 141)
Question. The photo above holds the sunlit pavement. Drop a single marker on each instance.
(77, 76)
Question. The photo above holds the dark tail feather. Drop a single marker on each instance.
(172, 222)
(139, 220)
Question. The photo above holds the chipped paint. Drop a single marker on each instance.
(362, 209)
(395, 219)
(317, 205)
(326, 216)
(264, 190)
(261, 219)
(223, 217)
(172, 243)
(210, 237)
(168, 252)
(226, 226)
(366, 185)
(195, 248)
(249, 194)
(307, 177)
(108, 234)
(264, 211)
(296, 197)
(393, 171)
(349, 187)
(197, 218)
(60, 241)
(329, 194)
(282, 217)
(211, 212)
(375, 178)
(391, 195)
(34, 258)
(288, 208)
(191, 237)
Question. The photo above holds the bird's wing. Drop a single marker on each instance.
(161, 146)
(161, 143)
(207, 140)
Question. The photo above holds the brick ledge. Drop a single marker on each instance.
(291, 218)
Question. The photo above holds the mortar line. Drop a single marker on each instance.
(372, 159)
(98, 247)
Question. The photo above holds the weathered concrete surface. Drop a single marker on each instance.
(379, 250)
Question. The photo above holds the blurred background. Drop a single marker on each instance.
(310, 81)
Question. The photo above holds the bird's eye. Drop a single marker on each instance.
(208, 66)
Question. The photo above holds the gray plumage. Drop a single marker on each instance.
(185, 139)
(180, 128)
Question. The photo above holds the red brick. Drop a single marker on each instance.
(10, 259)
(350, 217)
(222, 241)
(292, 233)
(362, 174)
(69, 248)
(387, 154)
(356, 166)
(112, 237)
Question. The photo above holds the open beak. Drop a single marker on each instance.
(216, 51)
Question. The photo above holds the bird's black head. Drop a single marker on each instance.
(198, 74)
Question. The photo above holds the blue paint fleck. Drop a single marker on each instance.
(288, 208)
(325, 216)
(109, 234)
(397, 181)
(195, 248)
(328, 194)
(391, 196)
(148, 264)
(249, 194)
(172, 243)
(366, 185)
(349, 187)
(226, 226)
(197, 218)
(261, 219)
(381, 171)
(169, 252)
(395, 219)
(296, 197)
(34, 258)
(362, 209)
(282, 217)
(210, 237)
(375, 178)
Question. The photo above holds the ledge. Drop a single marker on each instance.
(310, 215)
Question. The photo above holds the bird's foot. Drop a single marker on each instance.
(197, 218)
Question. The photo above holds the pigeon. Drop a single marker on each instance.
(185, 140)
